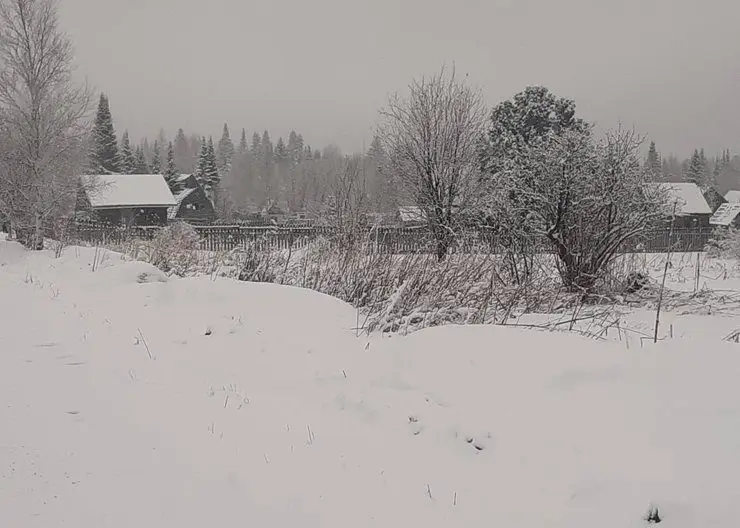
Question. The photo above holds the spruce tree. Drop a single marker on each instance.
(128, 161)
(182, 152)
(225, 155)
(104, 158)
(210, 176)
(256, 144)
(696, 170)
(267, 148)
(202, 166)
(243, 147)
(141, 166)
(146, 147)
(653, 165)
(295, 147)
(170, 172)
(281, 152)
(156, 159)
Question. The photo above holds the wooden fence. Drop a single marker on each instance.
(382, 239)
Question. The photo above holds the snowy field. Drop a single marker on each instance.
(132, 399)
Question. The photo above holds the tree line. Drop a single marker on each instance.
(252, 174)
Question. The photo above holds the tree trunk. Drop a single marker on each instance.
(38, 233)
(443, 240)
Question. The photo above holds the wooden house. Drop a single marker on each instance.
(126, 199)
(692, 209)
(193, 207)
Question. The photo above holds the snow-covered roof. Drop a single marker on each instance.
(688, 196)
(179, 197)
(110, 191)
(411, 213)
(183, 177)
(733, 196)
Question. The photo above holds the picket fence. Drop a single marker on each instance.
(382, 239)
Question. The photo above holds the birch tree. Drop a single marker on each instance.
(43, 118)
(431, 139)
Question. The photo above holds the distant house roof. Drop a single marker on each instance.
(733, 196)
(411, 213)
(687, 196)
(179, 197)
(116, 191)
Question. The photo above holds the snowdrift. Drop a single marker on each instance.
(192, 402)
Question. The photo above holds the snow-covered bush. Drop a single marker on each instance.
(725, 243)
(252, 264)
(174, 249)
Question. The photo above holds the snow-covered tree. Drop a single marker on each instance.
(587, 197)
(225, 154)
(266, 148)
(147, 149)
(697, 170)
(104, 157)
(431, 139)
(207, 169)
(211, 176)
(140, 164)
(530, 117)
(156, 158)
(243, 146)
(256, 145)
(43, 127)
(281, 152)
(128, 161)
(295, 147)
(183, 157)
(171, 173)
(653, 164)
(202, 166)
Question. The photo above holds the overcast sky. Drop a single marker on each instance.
(670, 68)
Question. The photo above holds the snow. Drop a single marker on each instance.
(128, 190)
(411, 213)
(133, 399)
(688, 196)
(733, 196)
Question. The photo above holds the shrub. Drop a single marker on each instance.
(725, 243)
(174, 249)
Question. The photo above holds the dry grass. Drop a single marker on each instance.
(406, 292)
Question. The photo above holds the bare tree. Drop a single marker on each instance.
(42, 118)
(431, 140)
(348, 197)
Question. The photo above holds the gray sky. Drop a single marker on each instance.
(671, 68)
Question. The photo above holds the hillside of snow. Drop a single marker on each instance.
(132, 399)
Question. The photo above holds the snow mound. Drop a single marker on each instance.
(195, 402)
(11, 252)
